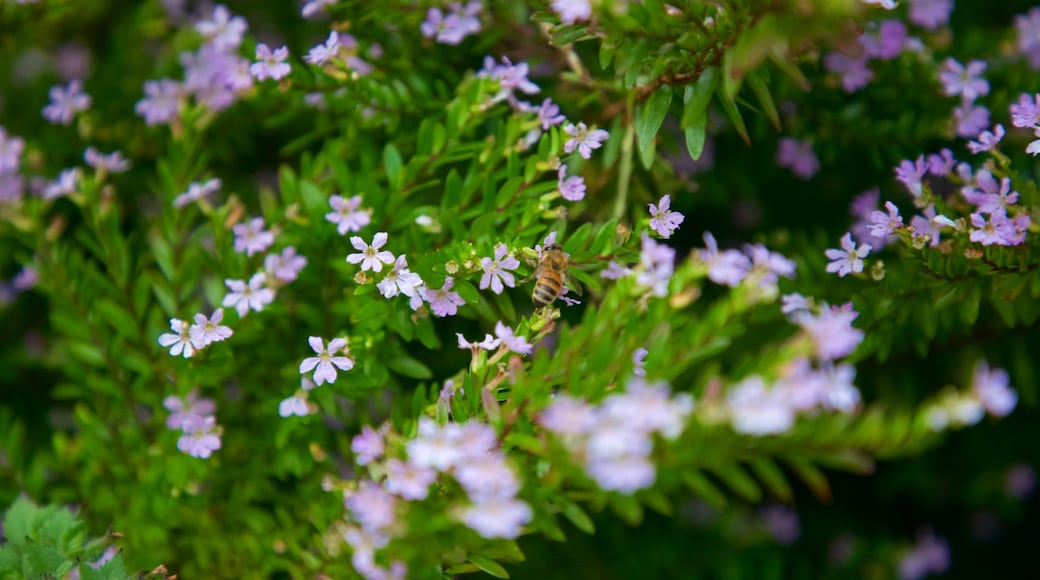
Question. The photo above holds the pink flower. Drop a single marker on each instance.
(662, 219)
(583, 140)
(444, 302)
(346, 214)
(495, 270)
(370, 257)
(324, 365)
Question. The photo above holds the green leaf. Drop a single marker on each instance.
(403, 364)
(696, 135)
(696, 97)
(761, 90)
(703, 487)
(773, 477)
(488, 565)
(648, 122)
(628, 508)
(19, 520)
(578, 517)
(730, 107)
(812, 477)
(392, 163)
(739, 481)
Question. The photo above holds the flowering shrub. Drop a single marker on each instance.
(268, 281)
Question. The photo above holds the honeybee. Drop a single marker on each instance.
(551, 275)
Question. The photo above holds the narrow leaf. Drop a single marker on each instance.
(648, 122)
(758, 86)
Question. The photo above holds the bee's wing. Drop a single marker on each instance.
(572, 285)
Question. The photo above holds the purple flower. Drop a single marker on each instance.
(885, 225)
(583, 139)
(409, 481)
(1025, 113)
(571, 11)
(889, 42)
(517, 344)
(990, 202)
(197, 191)
(489, 343)
(162, 101)
(999, 229)
(848, 259)
(285, 267)
(649, 407)
(1034, 147)
(206, 331)
(183, 409)
(201, 436)
(931, 555)
(487, 477)
(295, 405)
(312, 8)
(728, 268)
(662, 219)
(179, 341)
(924, 226)
(325, 364)
(782, 523)
(252, 238)
(65, 184)
(66, 103)
(798, 156)
(372, 506)
(853, 70)
(567, 415)
(768, 266)
(455, 26)
(346, 215)
(112, 162)
(657, 264)
(757, 410)
(10, 151)
(624, 473)
(325, 52)
(12, 187)
(970, 119)
(571, 188)
(614, 271)
(993, 390)
(910, 174)
(987, 140)
(548, 114)
(223, 31)
(942, 163)
(930, 14)
(510, 77)
(497, 517)
(444, 302)
(215, 76)
(1028, 41)
(832, 331)
(253, 295)
(270, 65)
(367, 446)
(370, 257)
(964, 81)
(639, 362)
(495, 270)
(400, 280)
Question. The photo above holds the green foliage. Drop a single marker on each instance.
(442, 158)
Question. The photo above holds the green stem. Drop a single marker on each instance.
(627, 152)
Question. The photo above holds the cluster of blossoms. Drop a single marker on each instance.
(614, 439)
(755, 264)
(455, 25)
(215, 75)
(571, 11)
(467, 451)
(757, 408)
(187, 339)
(398, 279)
(279, 269)
(341, 49)
(1026, 114)
(504, 337)
(195, 419)
(990, 392)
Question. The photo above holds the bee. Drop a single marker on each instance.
(551, 275)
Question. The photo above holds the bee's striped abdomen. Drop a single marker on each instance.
(546, 290)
